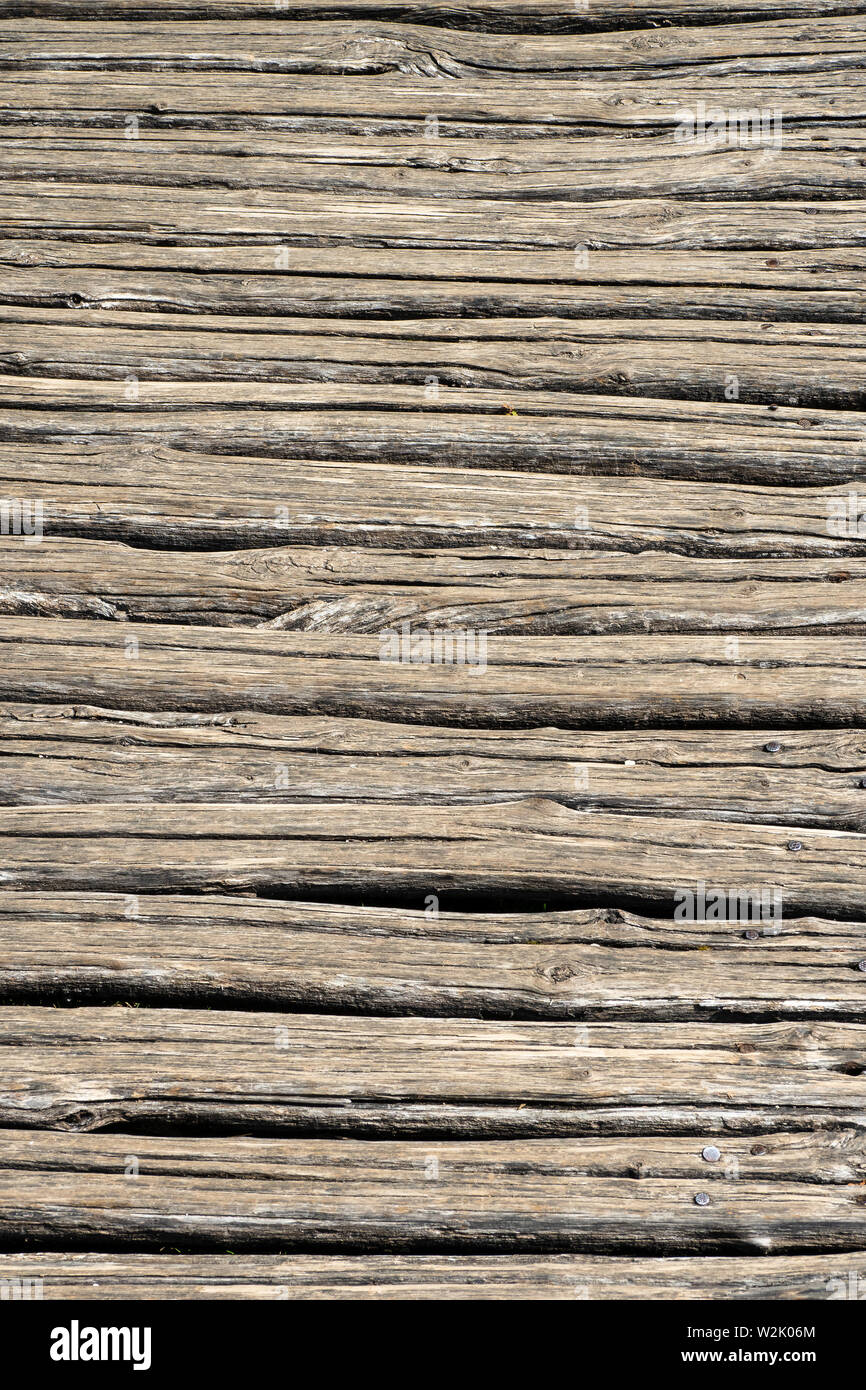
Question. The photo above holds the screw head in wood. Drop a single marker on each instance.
(752, 935)
(711, 1154)
(795, 846)
(861, 965)
(702, 1199)
(772, 747)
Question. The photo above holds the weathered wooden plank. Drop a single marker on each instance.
(526, 16)
(84, 1068)
(826, 1158)
(500, 681)
(377, 281)
(359, 46)
(356, 589)
(833, 267)
(56, 754)
(570, 101)
(816, 364)
(832, 941)
(90, 212)
(350, 296)
(313, 955)
(577, 1195)
(531, 846)
(105, 1276)
(147, 492)
(812, 159)
(555, 433)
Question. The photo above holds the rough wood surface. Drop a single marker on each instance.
(84, 1068)
(332, 1277)
(98, 489)
(70, 754)
(526, 16)
(817, 364)
(512, 1196)
(604, 165)
(85, 211)
(375, 281)
(350, 47)
(569, 101)
(514, 681)
(328, 956)
(346, 589)
(533, 846)
(557, 432)
(323, 322)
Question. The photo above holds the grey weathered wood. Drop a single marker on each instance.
(57, 754)
(578, 1195)
(521, 97)
(313, 955)
(128, 210)
(148, 492)
(834, 268)
(534, 846)
(85, 1068)
(522, 15)
(356, 589)
(825, 1158)
(816, 364)
(554, 431)
(352, 47)
(345, 294)
(513, 682)
(794, 269)
(278, 398)
(109, 1276)
(614, 165)
(832, 941)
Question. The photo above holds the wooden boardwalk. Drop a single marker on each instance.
(432, 664)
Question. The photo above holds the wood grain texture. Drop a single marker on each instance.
(796, 269)
(84, 1068)
(571, 100)
(580, 1195)
(119, 211)
(355, 589)
(110, 1276)
(342, 294)
(594, 964)
(152, 494)
(526, 16)
(836, 941)
(533, 846)
(629, 682)
(615, 164)
(360, 46)
(62, 754)
(556, 433)
(287, 364)
(375, 281)
(817, 364)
